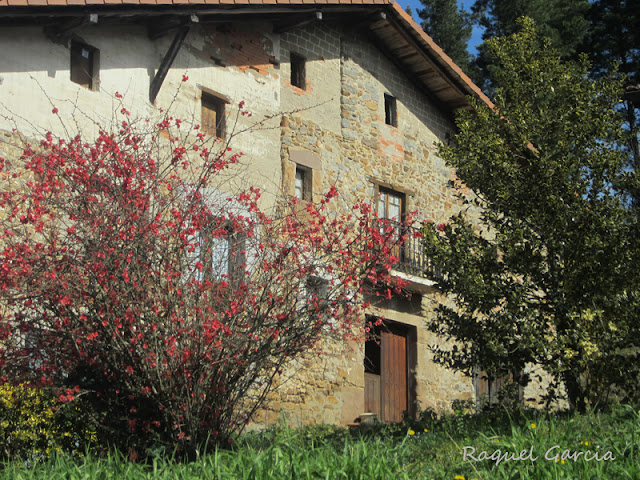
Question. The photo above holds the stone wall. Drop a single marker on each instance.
(334, 126)
(362, 151)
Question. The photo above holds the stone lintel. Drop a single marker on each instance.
(305, 158)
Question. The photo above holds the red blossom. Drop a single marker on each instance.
(127, 279)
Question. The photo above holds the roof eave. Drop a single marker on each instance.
(448, 83)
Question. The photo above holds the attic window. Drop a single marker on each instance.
(298, 71)
(85, 65)
(390, 110)
(212, 115)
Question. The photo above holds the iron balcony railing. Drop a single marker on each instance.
(410, 251)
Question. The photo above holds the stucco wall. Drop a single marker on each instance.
(35, 77)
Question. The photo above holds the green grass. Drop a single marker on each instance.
(393, 452)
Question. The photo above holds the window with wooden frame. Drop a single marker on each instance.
(298, 71)
(391, 206)
(302, 173)
(221, 255)
(212, 115)
(303, 183)
(85, 65)
(390, 110)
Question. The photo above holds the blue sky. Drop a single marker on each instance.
(476, 37)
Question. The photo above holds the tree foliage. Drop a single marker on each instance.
(614, 37)
(131, 283)
(563, 21)
(613, 42)
(551, 278)
(449, 27)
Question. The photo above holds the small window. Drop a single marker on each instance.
(390, 111)
(213, 115)
(303, 183)
(85, 65)
(298, 71)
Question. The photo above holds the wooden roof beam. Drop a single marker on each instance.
(166, 63)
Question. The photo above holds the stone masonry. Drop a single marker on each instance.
(334, 127)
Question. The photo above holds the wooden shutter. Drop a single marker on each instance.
(209, 116)
(488, 389)
(482, 384)
(82, 64)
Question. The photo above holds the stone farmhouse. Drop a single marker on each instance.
(362, 94)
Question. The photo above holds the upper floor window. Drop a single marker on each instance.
(390, 110)
(391, 204)
(213, 115)
(85, 65)
(219, 255)
(318, 291)
(307, 166)
(298, 71)
(303, 183)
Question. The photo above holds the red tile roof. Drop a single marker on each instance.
(199, 2)
(455, 70)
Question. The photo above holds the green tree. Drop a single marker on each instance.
(551, 278)
(614, 39)
(409, 10)
(449, 27)
(563, 21)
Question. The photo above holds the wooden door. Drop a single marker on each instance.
(372, 394)
(488, 390)
(393, 343)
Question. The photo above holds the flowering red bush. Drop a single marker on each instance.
(129, 281)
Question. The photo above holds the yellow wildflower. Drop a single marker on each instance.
(426, 430)
(411, 432)
(533, 425)
(458, 477)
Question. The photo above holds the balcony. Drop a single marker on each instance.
(414, 265)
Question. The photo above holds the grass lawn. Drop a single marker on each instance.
(498, 446)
